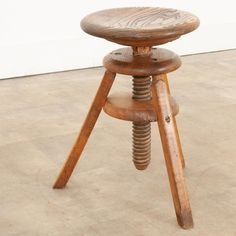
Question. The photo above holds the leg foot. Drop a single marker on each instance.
(86, 129)
(172, 152)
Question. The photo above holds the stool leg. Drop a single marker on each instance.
(164, 77)
(171, 148)
(89, 123)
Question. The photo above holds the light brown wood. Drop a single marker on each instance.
(125, 61)
(141, 145)
(164, 77)
(172, 153)
(86, 129)
(122, 106)
(141, 130)
(140, 26)
(142, 51)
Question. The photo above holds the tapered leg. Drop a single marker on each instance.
(164, 77)
(89, 123)
(171, 148)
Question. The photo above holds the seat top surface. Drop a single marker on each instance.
(140, 26)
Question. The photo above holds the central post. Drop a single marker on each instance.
(141, 130)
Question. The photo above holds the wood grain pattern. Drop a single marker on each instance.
(123, 107)
(86, 129)
(172, 153)
(140, 26)
(164, 78)
(158, 61)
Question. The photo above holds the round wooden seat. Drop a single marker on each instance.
(140, 26)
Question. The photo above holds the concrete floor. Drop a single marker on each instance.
(40, 117)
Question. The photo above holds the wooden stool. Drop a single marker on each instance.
(140, 28)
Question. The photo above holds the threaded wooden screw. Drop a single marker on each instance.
(141, 131)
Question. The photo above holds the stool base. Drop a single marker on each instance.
(169, 137)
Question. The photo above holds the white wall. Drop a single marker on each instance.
(40, 36)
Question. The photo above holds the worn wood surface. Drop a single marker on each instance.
(158, 61)
(140, 26)
(122, 106)
(164, 77)
(86, 129)
(107, 196)
(172, 152)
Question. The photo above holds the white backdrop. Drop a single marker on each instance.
(40, 36)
